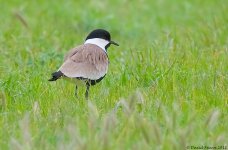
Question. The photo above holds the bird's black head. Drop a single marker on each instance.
(101, 34)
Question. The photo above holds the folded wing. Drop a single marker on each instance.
(87, 61)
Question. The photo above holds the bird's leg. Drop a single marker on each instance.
(87, 91)
(76, 91)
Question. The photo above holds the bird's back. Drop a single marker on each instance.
(87, 61)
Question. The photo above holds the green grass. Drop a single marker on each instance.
(166, 88)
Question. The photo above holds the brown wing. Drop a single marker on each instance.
(72, 52)
(87, 61)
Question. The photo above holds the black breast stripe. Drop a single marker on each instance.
(91, 82)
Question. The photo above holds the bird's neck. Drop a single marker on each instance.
(99, 42)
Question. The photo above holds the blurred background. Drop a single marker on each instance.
(132, 21)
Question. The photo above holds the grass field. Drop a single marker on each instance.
(166, 88)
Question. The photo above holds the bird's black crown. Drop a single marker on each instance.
(99, 33)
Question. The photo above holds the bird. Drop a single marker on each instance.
(87, 64)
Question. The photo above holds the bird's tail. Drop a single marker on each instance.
(56, 75)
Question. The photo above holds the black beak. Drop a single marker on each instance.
(114, 43)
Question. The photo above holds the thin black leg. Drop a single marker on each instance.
(87, 91)
(76, 91)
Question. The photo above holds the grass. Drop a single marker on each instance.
(166, 88)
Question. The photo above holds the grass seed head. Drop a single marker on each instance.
(212, 119)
